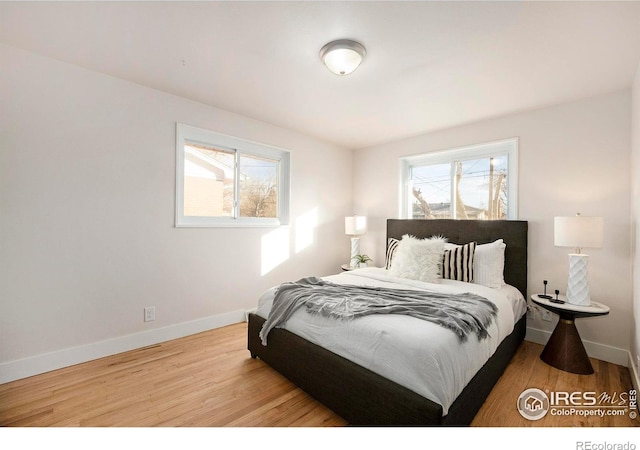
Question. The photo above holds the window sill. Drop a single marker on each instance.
(194, 222)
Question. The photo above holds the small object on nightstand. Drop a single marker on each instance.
(556, 300)
(548, 297)
(347, 267)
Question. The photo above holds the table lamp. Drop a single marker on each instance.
(578, 232)
(355, 226)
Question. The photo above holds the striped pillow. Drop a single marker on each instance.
(457, 262)
(392, 245)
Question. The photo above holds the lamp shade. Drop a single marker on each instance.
(342, 56)
(578, 232)
(355, 225)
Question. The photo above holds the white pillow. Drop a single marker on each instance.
(418, 259)
(488, 264)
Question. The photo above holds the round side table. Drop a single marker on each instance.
(565, 350)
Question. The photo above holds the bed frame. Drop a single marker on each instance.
(363, 397)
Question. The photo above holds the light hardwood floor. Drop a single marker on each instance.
(209, 380)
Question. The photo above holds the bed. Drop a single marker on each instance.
(365, 389)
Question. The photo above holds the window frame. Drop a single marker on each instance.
(498, 148)
(240, 147)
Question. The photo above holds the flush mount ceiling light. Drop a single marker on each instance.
(342, 56)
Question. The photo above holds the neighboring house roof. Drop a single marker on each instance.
(198, 164)
(440, 210)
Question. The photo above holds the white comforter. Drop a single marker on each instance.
(414, 353)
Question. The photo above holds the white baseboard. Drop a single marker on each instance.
(633, 370)
(247, 312)
(23, 368)
(594, 350)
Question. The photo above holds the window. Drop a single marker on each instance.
(226, 181)
(475, 182)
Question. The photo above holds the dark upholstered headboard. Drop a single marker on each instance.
(513, 232)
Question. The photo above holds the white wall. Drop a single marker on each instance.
(573, 158)
(87, 236)
(635, 210)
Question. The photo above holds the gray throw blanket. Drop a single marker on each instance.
(461, 313)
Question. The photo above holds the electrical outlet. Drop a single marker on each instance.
(546, 315)
(149, 313)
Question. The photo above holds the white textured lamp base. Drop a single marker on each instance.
(355, 250)
(578, 284)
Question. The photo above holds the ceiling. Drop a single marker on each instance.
(429, 65)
